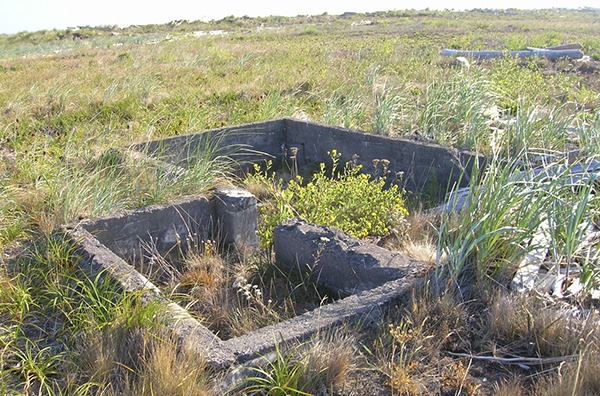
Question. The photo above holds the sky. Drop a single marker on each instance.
(31, 15)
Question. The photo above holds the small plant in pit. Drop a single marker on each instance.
(403, 365)
(280, 378)
(350, 200)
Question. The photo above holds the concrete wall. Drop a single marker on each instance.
(161, 225)
(229, 216)
(426, 167)
(247, 142)
(335, 260)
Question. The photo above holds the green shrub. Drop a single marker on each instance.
(349, 200)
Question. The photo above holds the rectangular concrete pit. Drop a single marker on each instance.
(423, 166)
(95, 240)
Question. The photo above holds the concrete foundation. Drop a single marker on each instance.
(364, 277)
(378, 276)
(98, 260)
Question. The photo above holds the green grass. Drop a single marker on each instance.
(505, 208)
(72, 102)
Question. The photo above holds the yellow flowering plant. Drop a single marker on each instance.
(354, 202)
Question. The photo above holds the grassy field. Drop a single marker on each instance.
(71, 102)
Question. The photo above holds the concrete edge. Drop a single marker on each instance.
(366, 307)
(357, 132)
(97, 260)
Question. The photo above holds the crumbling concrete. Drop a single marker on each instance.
(335, 260)
(96, 260)
(258, 348)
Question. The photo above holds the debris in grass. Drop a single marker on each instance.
(570, 51)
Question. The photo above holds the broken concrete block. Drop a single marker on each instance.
(335, 260)
(236, 218)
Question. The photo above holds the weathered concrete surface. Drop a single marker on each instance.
(366, 306)
(424, 166)
(229, 216)
(164, 226)
(337, 261)
(236, 218)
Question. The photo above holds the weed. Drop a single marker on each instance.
(167, 369)
(320, 365)
(35, 367)
(281, 377)
(454, 111)
(351, 201)
(329, 359)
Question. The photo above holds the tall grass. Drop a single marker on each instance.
(64, 333)
(14, 220)
(122, 179)
(588, 132)
(537, 128)
(454, 111)
(505, 206)
(345, 108)
(320, 365)
(386, 109)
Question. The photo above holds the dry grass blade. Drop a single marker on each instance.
(516, 360)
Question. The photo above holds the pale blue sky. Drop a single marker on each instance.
(30, 15)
